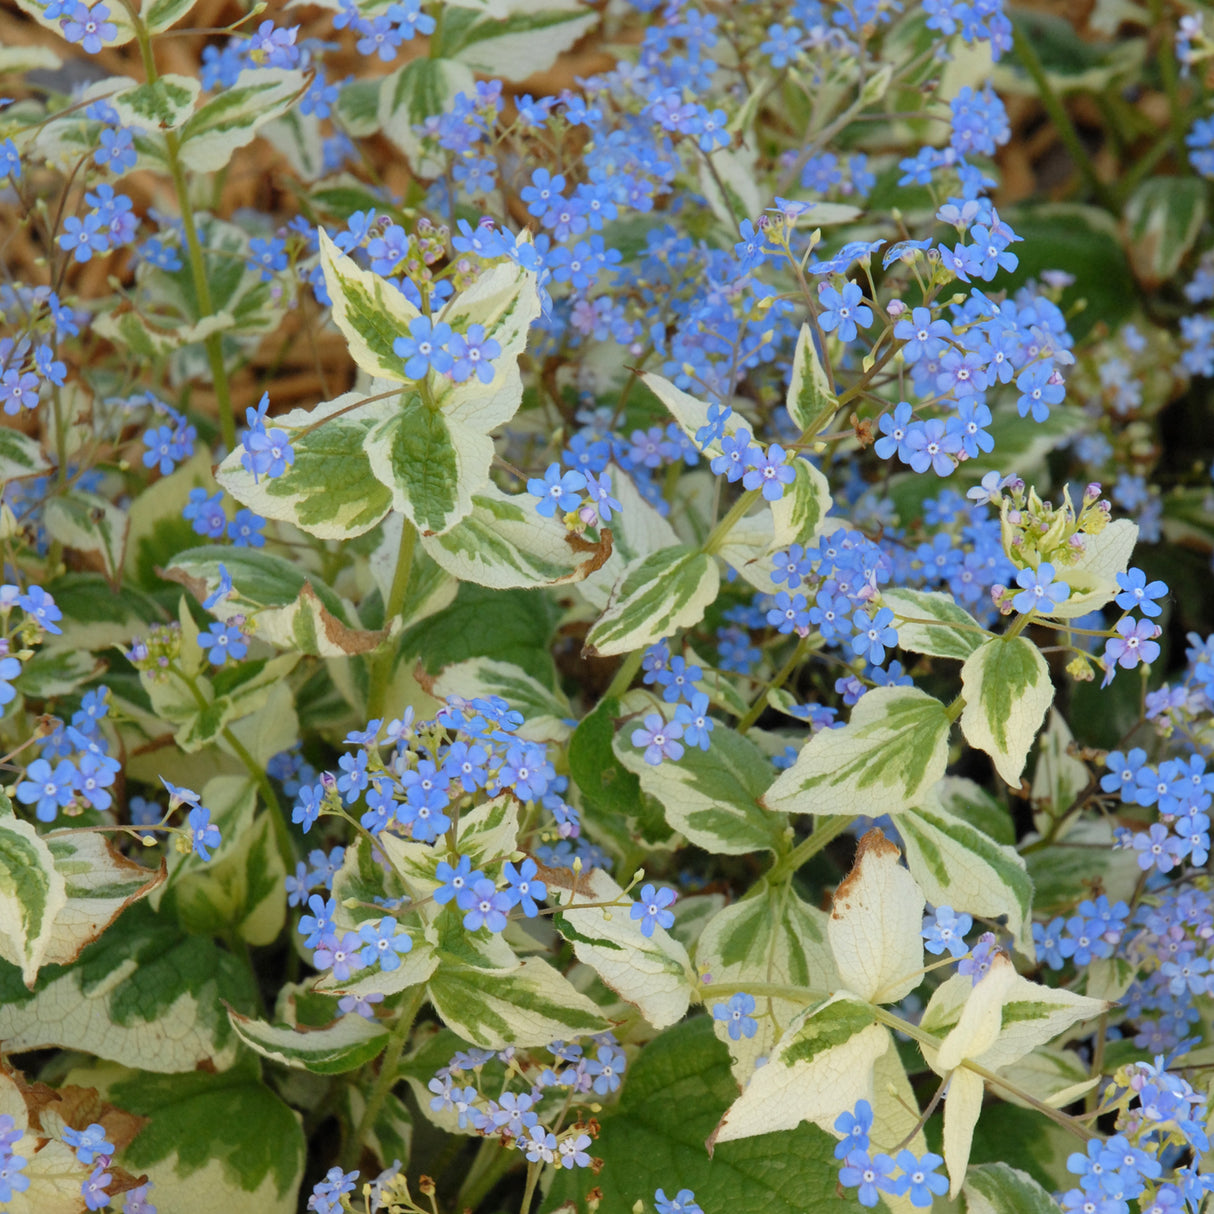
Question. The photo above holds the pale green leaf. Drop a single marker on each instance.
(526, 42)
(342, 1046)
(773, 937)
(653, 973)
(287, 608)
(711, 796)
(875, 922)
(1007, 689)
(369, 310)
(504, 543)
(931, 622)
(230, 119)
(958, 865)
(811, 400)
(732, 190)
(820, 1067)
(20, 456)
(99, 883)
(1059, 777)
(505, 301)
(657, 594)
(410, 95)
(894, 748)
(330, 491)
(159, 15)
(120, 17)
(1093, 578)
(546, 713)
(145, 993)
(997, 1188)
(530, 1004)
(88, 523)
(1163, 217)
(32, 894)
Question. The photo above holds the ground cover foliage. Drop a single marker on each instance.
(605, 607)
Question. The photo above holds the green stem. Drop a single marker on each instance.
(386, 1078)
(384, 664)
(1031, 62)
(824, 833)
(202, 288)
(488, 1167)
(533, 1178)
(1165, 57)
(760, 703)
(624, 675)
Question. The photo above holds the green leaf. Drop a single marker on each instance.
(430, 463)
(1007, 689)
(160, 106)
(711, 797)
(653, 973)
(230, 119)
(772, 937)
(214, 1141)
(369, 310)
(342, 1046)
(330, 491)
(811, 399)
(604, 782)
(1163, 217)
(32, 894)
(358, 107)
(822, 1064)
(996, 1188)
(894, 748)
(526, 42)
(56, 672)
(144, 993)
(959, 866)
(1059, 777)
(504, 543)
(424, 86)
(545, 712)
(20, 456)
(529, 1004)
(673, 1096)
(88, 523)
(949, 631)
(510, 625)
(657, 595)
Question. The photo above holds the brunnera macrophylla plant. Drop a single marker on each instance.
(681, 710)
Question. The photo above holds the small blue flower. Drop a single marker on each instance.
(221, 641)
(652, 910)
(204, 834)
(737, 1017)
(843, 312)
(659, 739)
(1039, 590)
(854, 1127)
(424, 349)
(557, 490)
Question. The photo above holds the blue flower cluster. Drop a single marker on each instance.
(904, 1174)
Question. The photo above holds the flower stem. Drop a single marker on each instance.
(384, 662)
(824, 832)
(386, 1078)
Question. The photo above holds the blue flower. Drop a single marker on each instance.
(424, 349)
(203, 833)
(206, 513)
(683, 1202)
(736, 1014)
(383, 943)
(854, 1127)
(946, 930)
(524, 888)
(486, 906)
(696, 722)
(48, 790)
(843, 312)
(473, 354)
(920, 1178)
(1137, 592)
(874, 634)
(36, 602)
(245, 530)
(557, 490)
(1039, 592)
(659, 739)
(222, 641)
(872, 1176)
(652, 910)
(88, 1144)
(10, 669)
